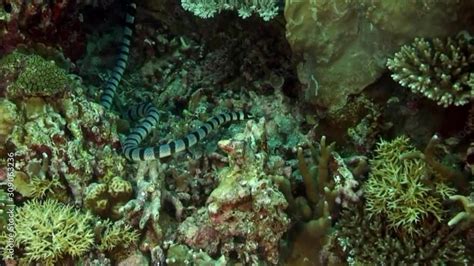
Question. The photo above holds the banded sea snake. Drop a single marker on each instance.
(130, 146)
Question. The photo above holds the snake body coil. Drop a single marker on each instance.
(149, 113)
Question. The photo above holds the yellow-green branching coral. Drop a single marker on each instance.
(116, 235)
(441, 70)
(48, 231)
(397, 187)
(31, 75)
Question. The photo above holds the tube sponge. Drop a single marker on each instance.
(441, 70)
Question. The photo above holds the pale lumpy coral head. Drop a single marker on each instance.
(440, 69)
(29, 75)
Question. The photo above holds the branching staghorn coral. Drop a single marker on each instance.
(49, 230)
(439, 69)
(266, 9)
(113, 235)
(399, 187)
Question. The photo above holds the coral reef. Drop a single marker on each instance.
(8, 119)
(245, 212)
(333, 41)
(182, 255)
(63, 139)
(370, 240)
(267, 9)
(53, 23)
(439, 69)
(105, 199)
(329, 184)
(114, 235)
(49, 230)
(464, 218)
(32, 75)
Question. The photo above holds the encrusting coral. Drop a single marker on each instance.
(49, 230)
(439, 69)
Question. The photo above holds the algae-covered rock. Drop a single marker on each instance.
(245, 214)
(8, 118)
(342, 46)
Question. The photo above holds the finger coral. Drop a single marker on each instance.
(48, 231)
(439, 69)
(465, 217)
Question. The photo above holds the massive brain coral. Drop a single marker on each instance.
(442, 70)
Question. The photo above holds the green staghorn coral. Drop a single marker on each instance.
(267, 9)
(116, 235)
(397, 187)
(32, 75)
(441, 70)
(47, 231)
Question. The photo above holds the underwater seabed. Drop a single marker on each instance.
(217, 132)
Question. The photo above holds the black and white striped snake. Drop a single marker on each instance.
(150, 114)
